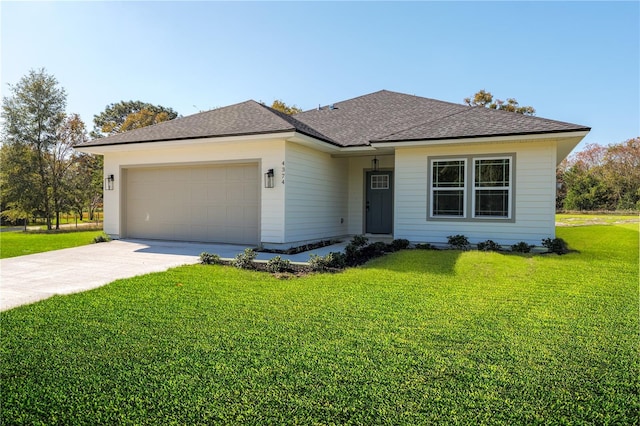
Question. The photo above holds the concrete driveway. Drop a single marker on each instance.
(27, 279)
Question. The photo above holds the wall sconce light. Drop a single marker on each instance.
(375, 164)
(109, 182)
(269, 181)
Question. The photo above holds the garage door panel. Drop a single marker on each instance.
(200, 203)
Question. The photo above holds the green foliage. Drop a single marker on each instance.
(279, 105)
(102, 238)
(330, 262)
(601, 178)
(278, 264)
(413, 338)
(458, 242)
(586, 191)
(209, 258)
(128, 115)
(358, 241)
(399, 244)
(358, 251)
(489, 245)
(426, 246)
(32, 117)
(521, 247)
(483, 98)
(14, 244)
(245, 259)
(555, 245)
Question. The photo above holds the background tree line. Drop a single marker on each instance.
(41, 175)
(601, 178)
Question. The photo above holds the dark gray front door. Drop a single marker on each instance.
(379, 203)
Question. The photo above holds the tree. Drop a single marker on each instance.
(32, 117)
(60, 160)
(18, 177)
(601, 178)
(123, 116)
(86, 183)
(621, 172)
(485, 99)
(282, 107)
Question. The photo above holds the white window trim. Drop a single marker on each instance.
(469, 191)
(433, 190)
(489, 188)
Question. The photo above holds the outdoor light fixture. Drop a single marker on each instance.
(109, 182)
(269, 181)
(375, 164)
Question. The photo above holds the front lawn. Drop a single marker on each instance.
(19, 243)
(416, 337)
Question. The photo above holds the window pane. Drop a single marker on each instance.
(379, 181)
(492, 203)
(448, 174)
(492, 173)
(448, 203)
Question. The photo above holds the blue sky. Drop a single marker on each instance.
(572, 61)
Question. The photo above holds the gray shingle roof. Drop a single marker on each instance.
(246, 118)
(382, 116)
(480, 122)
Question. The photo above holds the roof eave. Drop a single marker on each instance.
(178, 142)
(581, 132)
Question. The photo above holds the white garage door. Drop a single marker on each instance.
(196, 203)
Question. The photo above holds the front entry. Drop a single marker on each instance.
(379, 202)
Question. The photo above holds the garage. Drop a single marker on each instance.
(210, 203)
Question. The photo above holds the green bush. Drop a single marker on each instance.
(489, 245)
(359, 241)
(209, 259)
(458, 242)
(358, 251)
(245, 259)
(278, 264)
(103, 238)
(399, 244)
(426, 246)
(522, 247)
(555, 245)
(332, 261)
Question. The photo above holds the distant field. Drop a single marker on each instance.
(594, 219)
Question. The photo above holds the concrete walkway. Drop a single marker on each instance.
(27, 279)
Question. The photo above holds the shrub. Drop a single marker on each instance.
(245, 259)
(358, 240)
(372, 250)
(488, 245)
(103, 238)
(522, 247)
(332, 261)
(278, 264)
(458, 242)
(426, 246)
(399, 244)
(555, 245)
(209, 258)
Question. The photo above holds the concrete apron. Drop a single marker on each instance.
(28, 279)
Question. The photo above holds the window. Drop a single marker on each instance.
(379, 181)
(481, 191)
(491, 187)
(448, 188)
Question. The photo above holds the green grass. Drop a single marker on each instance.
(416, 337)
(19, 243)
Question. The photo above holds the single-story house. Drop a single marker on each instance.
(386, 163)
